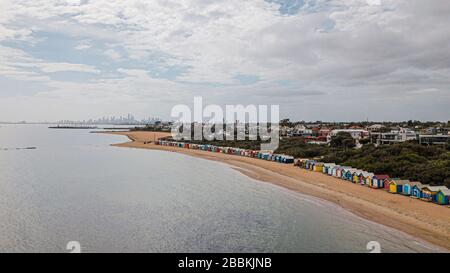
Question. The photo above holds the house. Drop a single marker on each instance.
(407, 187)
(443, 197)
(416, 191)
(429, 193)
(394, 136)
(396, 186)
(355, 133)
(434, 139)
(379, 180)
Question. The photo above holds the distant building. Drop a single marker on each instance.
(375, 127)
(355, 133)
(324, 132)
(434, 139)
(394, 136)
(301, 131)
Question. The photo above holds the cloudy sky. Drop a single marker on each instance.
(317, 59)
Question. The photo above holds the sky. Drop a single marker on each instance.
(335, 60)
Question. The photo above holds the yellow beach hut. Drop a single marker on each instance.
(355, 176)
(396, 186)
(318, 167)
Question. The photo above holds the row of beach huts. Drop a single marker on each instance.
(439, 195)
(230, 150)
(436, 194)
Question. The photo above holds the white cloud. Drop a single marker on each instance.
(113, 54)
(66, 67)
(83, 45)
(372, 50)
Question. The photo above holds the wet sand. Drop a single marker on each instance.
(427, 221)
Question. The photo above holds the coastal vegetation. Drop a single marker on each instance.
(406, 160)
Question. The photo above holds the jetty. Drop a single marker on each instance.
(73, 127)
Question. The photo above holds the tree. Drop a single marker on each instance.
(286, 122)
(342, 140)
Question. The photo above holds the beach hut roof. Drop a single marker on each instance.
(401, 182)
(418, 184)
(437, 188)
(381, 176)
(445, 191)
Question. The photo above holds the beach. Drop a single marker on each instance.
(427, 221)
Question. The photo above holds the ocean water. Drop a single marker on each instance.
(75, 187)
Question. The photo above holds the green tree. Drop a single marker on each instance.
(342, 140)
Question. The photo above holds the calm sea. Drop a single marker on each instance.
(75, 187)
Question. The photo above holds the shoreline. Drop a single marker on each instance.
(423, 220)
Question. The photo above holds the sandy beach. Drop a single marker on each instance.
(427, 221)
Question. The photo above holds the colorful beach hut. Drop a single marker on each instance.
(340, 171)
(396, 186)
(429, 193)
(337, 171)
(386, 185)
(416, 191)
(379, 180)
(443, 197)
(368, 179)
(343, 173)
(328, 168)
(318, 167)
(407, 187)
(309, 165)
(356, 176)
(348, 174)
